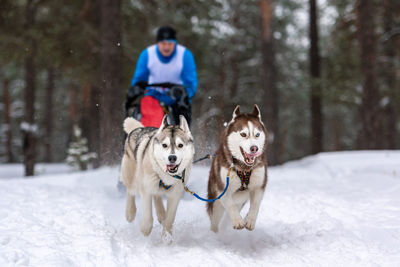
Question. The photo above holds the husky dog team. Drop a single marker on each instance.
(157, 163)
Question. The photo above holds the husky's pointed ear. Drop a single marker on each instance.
(256, 111)
(183, 123)
(236, 112)
(164, 122)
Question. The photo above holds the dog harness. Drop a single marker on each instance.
(166, 187)
(243, 176)
(161, 184)
(244, 179)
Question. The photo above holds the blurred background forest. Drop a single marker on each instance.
(325, 74)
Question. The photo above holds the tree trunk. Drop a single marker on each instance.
(29, 128)
(316, 92)
(85, 119)
(72, 113)
(370, 112)
(221, 95)
(7, 120)
(234, 85)
(390, 130)
(94, 124)
(111, 110)
(234, 57)
(90, 118)
(73, 107)
(271, 96)
(337, 133)
(49, 113)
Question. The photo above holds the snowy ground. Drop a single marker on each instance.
(333, 209)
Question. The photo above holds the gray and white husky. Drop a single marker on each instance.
(154, 164)
(242, 150)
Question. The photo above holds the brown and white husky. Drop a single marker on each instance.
(242, 150)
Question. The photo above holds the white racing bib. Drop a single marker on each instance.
(165, 72)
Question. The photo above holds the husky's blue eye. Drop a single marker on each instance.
(180, 145)
(257, 134)
(164, 145)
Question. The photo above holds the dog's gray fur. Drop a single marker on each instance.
(147, 160)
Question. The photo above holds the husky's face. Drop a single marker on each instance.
(173, 146)
(247, 136)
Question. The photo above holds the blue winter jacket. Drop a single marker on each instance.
(151, 64)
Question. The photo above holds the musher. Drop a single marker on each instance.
(164, 62)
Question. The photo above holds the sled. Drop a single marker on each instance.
(176, 91)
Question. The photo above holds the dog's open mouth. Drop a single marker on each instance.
(172, 168)
(249, 159)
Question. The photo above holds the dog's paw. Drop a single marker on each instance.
(161, 217)
(130, 215)
(214, 228)
(146, 228)
(167, 237)
(250, 223)
(130, 210)
(238, 224)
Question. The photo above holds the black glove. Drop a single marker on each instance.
(134, 92)
(180, 95)
(137, 89)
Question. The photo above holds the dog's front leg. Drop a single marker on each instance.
(172, 206)
(158, 203)
(233, 211)
(147, 210)
(130, 212)
(256, 196)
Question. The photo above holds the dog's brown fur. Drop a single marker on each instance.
(224, 159)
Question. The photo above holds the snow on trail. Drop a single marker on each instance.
(333, 209)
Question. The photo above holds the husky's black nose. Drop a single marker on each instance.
(253, 149)
(172, 158)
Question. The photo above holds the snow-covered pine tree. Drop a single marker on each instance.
(78, 151)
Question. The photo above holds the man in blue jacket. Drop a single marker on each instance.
(164, 62)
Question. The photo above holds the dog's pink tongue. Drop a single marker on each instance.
(170, 166)
(254, 155)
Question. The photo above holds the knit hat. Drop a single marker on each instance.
(166, 33)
